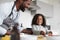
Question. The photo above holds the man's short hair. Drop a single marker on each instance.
(26, 0)
(22, 0)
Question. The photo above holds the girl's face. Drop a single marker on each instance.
(39, 20)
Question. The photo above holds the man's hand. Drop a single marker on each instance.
(8, 33)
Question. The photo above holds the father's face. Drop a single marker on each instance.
(27, 3)
(20, 1)
(24, 4)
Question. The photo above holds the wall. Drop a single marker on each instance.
(4, 1)
(53, 13)
(48, 1)
(55, 20)
(46, 9)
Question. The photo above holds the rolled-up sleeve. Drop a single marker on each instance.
(2, 31)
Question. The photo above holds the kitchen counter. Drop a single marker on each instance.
(34, 37)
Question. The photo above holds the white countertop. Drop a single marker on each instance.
(28, 37)
(34, 37)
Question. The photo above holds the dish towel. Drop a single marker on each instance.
(41, 37)
(7, 37)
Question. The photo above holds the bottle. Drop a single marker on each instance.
(21, 25)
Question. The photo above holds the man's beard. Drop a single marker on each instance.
(21, 7)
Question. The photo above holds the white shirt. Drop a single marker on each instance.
(37, 28)
(21, 19)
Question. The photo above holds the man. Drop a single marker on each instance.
(19, 5)
(24, 4)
